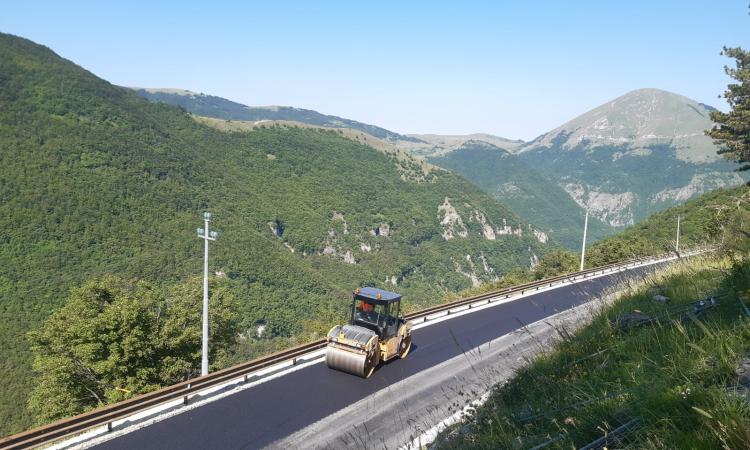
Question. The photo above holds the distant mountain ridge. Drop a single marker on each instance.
(434, 145)
(637, 154)
(221, 108)
(633, 156)
(639, 119)
(623, 160)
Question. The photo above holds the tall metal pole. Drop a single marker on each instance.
(206, 235)
(204, 350)
(677, 246)
(585, 229)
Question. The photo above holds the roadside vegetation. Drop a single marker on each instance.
(646, 372)
(115, 337)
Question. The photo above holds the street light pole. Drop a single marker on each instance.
(206, 235)
(585, 229)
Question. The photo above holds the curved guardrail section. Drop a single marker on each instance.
(105, 415)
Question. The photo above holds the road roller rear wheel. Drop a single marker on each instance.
(373, 358)
(404, 347)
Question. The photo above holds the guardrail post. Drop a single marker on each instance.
(109, 427)
(185, 400)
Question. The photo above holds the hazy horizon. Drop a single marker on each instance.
(514, 71)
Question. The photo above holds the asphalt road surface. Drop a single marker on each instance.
(258, 416)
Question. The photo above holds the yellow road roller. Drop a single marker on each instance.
(376, 332)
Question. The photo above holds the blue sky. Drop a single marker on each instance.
(515, 69)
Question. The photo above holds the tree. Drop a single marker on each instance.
(555, 263)
(116, 338)
(732, 132)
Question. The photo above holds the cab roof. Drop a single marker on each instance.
(371, 293)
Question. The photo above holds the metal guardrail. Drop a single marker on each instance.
(547, 282)
(106, 415)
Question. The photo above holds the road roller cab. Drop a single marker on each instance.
(376, 332)
(377, 310)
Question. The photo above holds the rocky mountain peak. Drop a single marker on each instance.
(636, 121)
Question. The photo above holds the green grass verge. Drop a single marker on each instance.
(675, 379)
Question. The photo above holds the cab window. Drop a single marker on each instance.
(372, 313)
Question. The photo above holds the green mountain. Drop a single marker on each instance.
(629, 158)
(96, 180)
(634, 156)
(221, 108)
(509, 180)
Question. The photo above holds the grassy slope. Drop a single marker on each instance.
(676, 377)
(532, 196)
(96, 180)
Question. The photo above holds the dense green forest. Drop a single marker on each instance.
(95, 180)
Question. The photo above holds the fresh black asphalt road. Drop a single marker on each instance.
(257, 416)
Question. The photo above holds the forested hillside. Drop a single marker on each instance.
(533, 196)
(95, 180)
(718, 218)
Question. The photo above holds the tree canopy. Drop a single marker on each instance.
(732, 131)
(116, 338)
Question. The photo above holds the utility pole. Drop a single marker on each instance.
(206, 235)
(677, 246)
(585, 229)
